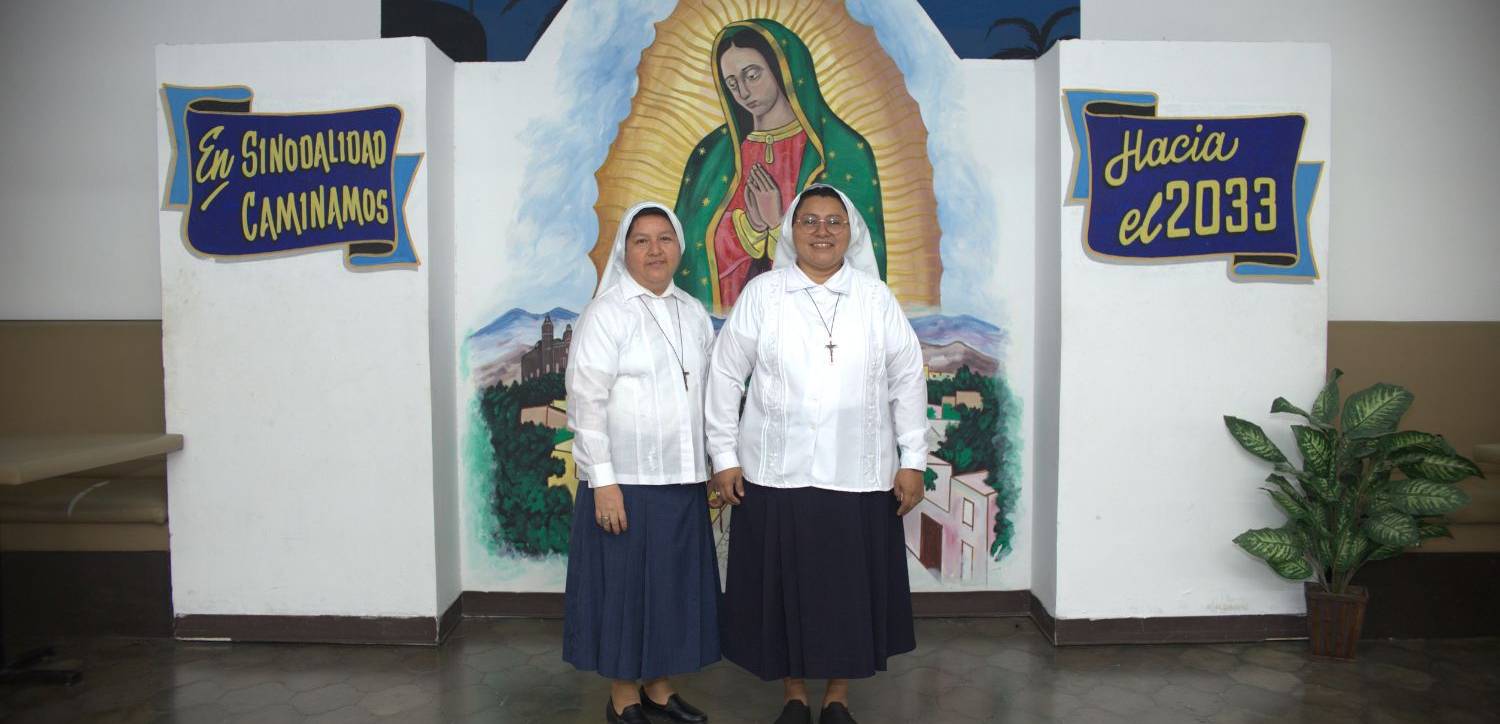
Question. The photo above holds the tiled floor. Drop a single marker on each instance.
(963, 671)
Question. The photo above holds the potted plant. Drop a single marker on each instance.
(1364, 492)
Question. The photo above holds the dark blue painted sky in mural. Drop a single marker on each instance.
(974, 28)
(511, 27)
(1003, 28)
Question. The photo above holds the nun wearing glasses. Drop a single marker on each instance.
(643, 582)
(825, 460)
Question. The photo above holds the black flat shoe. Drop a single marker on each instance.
(836, 713)
(675, 709)
(795, 712)
(632, 714)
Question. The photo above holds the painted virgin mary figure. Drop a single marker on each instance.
(779, 136)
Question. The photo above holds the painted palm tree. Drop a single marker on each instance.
(1040, 38)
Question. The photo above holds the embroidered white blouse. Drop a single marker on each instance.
(636, 417)
(845, 424)
(632, 420)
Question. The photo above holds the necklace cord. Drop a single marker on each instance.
(827, 324)
(681, 366)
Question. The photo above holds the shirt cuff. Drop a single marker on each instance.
(602, 475)
(724, 461)
(914, 459)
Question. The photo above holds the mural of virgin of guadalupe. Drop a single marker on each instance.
(740, 178)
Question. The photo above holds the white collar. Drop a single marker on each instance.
(798, 280)
(629, 287)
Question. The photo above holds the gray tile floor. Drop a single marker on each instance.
(963, 671)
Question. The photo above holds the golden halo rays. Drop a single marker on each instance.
(676, 105)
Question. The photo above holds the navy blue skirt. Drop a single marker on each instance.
(817, 584)
(644, 603)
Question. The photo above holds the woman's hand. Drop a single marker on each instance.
(730, 484)
(609, 509)
(908, 489)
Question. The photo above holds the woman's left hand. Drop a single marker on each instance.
(609, 509)
(908, 489)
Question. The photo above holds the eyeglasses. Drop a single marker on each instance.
(832, 223)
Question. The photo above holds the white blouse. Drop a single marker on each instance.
(845, 424)
(632, 419)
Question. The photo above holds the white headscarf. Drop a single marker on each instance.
(615, 269)
(859, 255)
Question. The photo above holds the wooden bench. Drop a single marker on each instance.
(85, 514)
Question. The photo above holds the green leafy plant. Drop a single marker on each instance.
(1346, 504)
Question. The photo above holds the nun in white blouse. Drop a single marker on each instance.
(827, 456)
(643, 581)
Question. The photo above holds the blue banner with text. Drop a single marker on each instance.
(1161, 189)
(277, 183)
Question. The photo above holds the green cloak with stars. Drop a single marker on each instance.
(835, 155)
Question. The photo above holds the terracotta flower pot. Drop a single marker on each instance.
(1334, 620)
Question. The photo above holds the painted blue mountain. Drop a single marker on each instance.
(953, 342)
(940, 330)
(519, 320)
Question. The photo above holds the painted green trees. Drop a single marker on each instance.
(533, 519)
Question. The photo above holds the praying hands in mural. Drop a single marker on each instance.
(762, 199)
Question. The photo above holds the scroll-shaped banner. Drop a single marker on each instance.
(275, 183)
(1166, 189)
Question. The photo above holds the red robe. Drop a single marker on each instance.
(733, 261)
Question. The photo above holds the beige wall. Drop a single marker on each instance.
(1453, 368)
(80, 377)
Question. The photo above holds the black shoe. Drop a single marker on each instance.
(836, 713)
(675, 709)
(632, 714)
(795, 712)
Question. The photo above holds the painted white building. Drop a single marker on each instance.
(950, 531)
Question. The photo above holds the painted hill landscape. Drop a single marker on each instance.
(941, 330)
(954, 356)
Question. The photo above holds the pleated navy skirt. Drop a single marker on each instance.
(817, 585)
(644, 603)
